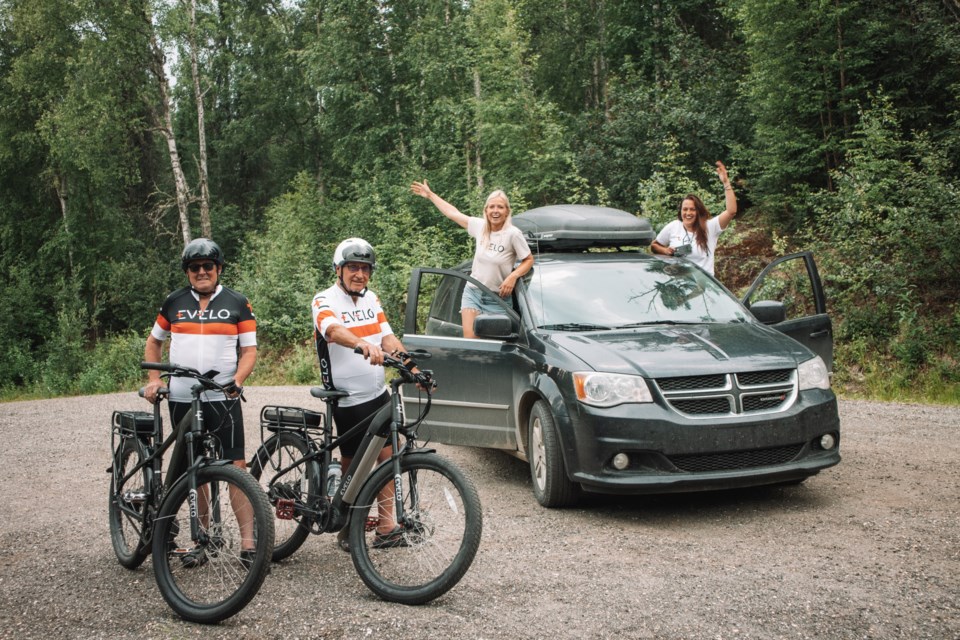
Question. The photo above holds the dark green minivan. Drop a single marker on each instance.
(613, 370)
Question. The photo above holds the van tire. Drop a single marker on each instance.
(551, 486)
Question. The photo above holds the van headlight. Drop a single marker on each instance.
(609, 389)
(813, 374)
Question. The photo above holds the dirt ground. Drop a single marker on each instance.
(868, 549)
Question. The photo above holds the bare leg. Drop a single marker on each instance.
(244, 512)
(468, 316)
(386, 520)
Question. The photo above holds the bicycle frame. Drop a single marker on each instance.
(192, 427)
(382, 425)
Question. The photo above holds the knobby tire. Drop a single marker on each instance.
(220, 583)
(440, 537)
(128, 506)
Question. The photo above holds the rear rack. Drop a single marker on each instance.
(276, 418)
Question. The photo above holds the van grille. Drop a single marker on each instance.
(736, 459)
(720, 395)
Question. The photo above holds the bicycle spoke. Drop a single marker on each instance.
(211, 577)
(434, 543)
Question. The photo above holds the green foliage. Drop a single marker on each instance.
(113, 365)
(281, 266)
(65, 357)
(888, 241)
(320, 113)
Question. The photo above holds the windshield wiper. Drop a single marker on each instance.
(573, 326)
(633, 325)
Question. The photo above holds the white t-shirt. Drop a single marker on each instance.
(494, 262)
(340, 367)
(674, 235)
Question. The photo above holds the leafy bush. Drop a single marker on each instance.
(113, 365)
(888, 240)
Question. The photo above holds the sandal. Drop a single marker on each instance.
(390, 540)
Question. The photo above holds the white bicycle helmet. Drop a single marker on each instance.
(355, 250)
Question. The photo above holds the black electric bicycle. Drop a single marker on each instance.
(207, 522)
(435, 507)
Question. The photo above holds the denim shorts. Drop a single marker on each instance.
(474, 298)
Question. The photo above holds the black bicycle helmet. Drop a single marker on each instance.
(355, 250)
(201, 249)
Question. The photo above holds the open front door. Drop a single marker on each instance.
(794, 281)
(471, 405)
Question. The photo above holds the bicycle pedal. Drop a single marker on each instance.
(285, 509)
(134, 497)
(371, 524)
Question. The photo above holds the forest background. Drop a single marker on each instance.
(279, 127)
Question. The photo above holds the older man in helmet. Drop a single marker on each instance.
(210, 327)
(348, 316)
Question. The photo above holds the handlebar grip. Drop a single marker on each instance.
(157, 366)
(358, 349)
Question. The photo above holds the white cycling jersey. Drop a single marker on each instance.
(205, 340)
(340, 367)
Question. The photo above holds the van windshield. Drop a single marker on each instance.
(605, 294)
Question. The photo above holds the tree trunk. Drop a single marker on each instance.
(206, 226)
(164, 122)
(61, 187)
(477, 163)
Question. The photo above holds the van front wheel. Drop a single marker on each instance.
(551, 486)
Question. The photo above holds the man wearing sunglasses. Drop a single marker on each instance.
(210, 327)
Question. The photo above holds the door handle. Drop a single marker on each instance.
(819, 334)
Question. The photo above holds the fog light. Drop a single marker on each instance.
(827, 442)
(621, 461)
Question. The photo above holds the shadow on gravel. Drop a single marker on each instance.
(747, 503)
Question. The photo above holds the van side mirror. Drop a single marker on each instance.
(769, 311)
(497, 326)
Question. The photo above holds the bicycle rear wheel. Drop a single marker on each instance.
(129, 504)
(434, 546)
(213, 577)
(302, 485)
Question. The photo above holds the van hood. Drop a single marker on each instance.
(681, 350)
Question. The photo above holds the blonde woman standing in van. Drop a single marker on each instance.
(499, 246)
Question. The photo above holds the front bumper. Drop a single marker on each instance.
(669, 452)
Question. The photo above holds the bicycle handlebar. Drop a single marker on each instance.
(424, 377)
(205, 379)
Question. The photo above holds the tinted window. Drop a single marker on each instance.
(617, 293)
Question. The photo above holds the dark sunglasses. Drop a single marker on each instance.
(206, 266)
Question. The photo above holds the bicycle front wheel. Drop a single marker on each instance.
(301, 485)
(129, 505)
(211, 576)
(435, 541)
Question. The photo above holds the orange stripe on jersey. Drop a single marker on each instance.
(247, 326)
(381, 317)
(365, 330)
(206, 328)
(163, 322)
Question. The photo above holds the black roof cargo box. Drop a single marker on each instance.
(576, 227)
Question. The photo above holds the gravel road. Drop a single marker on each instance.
(868, 549)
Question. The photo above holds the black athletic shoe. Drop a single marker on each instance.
(194, 558)
(390, 540)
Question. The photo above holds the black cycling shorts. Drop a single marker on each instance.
(223, 418)
(348, 417)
